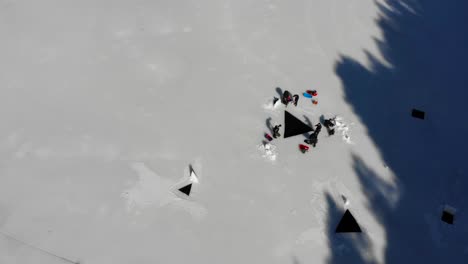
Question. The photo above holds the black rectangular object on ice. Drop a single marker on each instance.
(418, 114)
(447, 217)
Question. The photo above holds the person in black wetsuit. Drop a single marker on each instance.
(276, 131)
(318, 128)
(295, 99)
(330, 125)
(313, 138)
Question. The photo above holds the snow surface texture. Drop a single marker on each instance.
(343, 129)
(150, 189)
(268, 151)
(105, 103)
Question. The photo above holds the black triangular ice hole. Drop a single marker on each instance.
(348, 224)
(293, 126)
(186, 189)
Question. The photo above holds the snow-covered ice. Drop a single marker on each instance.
(149, 189)
(105, 105)
(268, 151)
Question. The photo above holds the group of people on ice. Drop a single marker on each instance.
(289, 98)
(329, 124)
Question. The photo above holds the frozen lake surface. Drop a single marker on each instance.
(105, 104)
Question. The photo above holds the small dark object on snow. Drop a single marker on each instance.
(348, 224)
(287, 97)
(447, 217)
(329, 122)
(275, 99)
(345, 200)
(267, 136)
(330, 125)
(318, 128)
(276, 131)
(313, 140)
(418, 114)
(296, 99)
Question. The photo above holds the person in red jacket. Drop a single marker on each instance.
(287, 97)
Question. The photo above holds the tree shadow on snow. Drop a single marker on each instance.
(346, 247)
(425, 45)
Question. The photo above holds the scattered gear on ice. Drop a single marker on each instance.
(268, 151)
(272, 104)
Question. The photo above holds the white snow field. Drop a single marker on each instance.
(105, 104)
